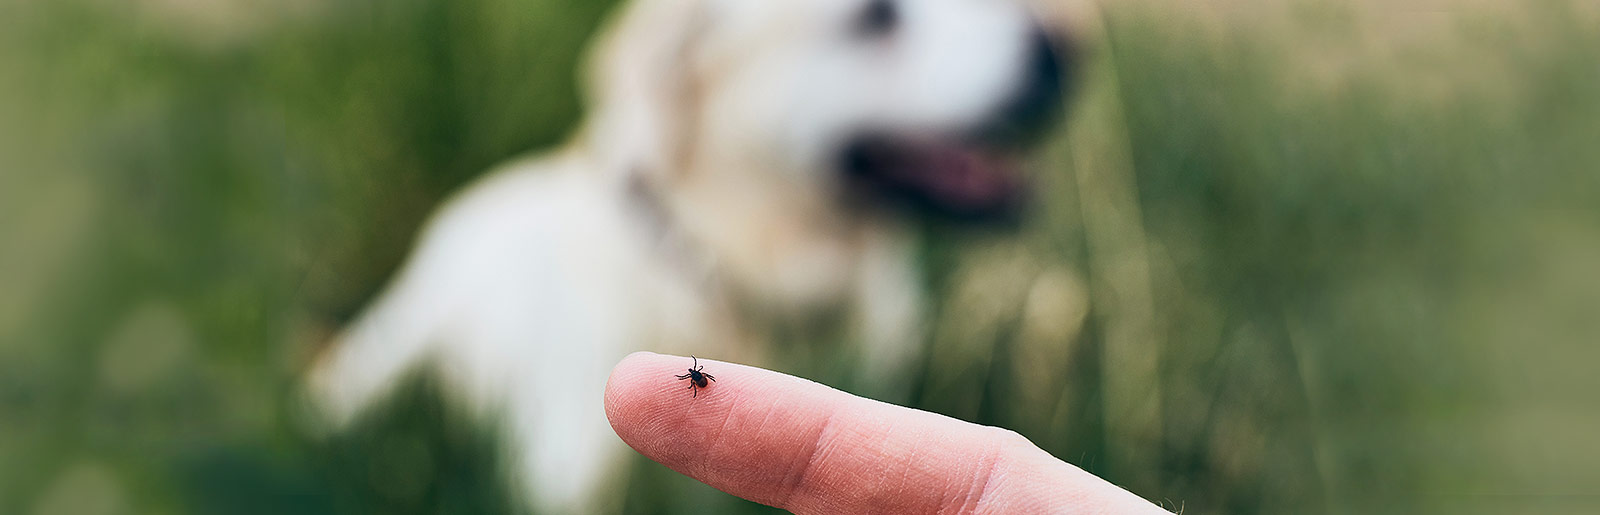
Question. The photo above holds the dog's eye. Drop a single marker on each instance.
(878, 18)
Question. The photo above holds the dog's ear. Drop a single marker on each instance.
(639, 87)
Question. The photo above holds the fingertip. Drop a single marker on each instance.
(626, 376)
(625, 380)
(651, 409)
(633, 361)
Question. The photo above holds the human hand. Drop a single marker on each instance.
(807, 448)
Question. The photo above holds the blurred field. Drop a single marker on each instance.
(1300, 257)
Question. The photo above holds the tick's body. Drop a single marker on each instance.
(697, 379)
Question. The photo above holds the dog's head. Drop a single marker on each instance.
(921, 103)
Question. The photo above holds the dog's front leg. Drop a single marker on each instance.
(889, 315)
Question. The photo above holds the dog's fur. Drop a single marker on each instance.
(708, 174)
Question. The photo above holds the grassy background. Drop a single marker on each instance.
(1305, 256)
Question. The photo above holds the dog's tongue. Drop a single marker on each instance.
(949, 177)
(964, 178)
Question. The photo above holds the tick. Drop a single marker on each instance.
(697, 379)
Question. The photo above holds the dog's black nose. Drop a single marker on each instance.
(1046, 73)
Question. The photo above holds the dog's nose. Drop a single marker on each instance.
(1046, 73)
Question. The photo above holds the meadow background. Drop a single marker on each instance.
(1302, 256)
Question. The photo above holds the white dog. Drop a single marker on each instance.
(741, 157)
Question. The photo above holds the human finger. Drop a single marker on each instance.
(807, 448)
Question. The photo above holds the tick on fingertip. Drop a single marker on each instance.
(697, 379)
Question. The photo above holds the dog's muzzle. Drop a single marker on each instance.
(972, 175)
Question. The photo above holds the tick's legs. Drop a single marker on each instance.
(685, 376)
(696, 393)
(708, 376)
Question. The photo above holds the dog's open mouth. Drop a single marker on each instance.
(948, 178)
(972, 174)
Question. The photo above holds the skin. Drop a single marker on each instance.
(801, 446)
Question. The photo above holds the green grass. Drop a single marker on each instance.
(1331, 258)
